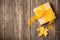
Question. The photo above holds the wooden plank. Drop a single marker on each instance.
(1, 19)
(17, 12)
(57, 23)
(11, 20)
(25, 15)
(34, 34)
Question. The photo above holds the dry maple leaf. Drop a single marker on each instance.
(51, 27)
(42, 31)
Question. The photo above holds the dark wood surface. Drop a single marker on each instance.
(14, 15)
(1, 19)
(34, 34)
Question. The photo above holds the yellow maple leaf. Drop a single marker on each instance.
(42, 31)
(51, 27)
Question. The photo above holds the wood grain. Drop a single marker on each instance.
(17, 13)
(57, 22)
(11, 21)
(1, 19)
(14, 15)
(25, 15)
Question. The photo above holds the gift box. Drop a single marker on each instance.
(44, 13)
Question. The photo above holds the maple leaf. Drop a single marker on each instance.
(51, 27)
(42, 31)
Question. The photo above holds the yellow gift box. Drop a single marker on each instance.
(44, 13)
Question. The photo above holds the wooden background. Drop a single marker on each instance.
(14, 15)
